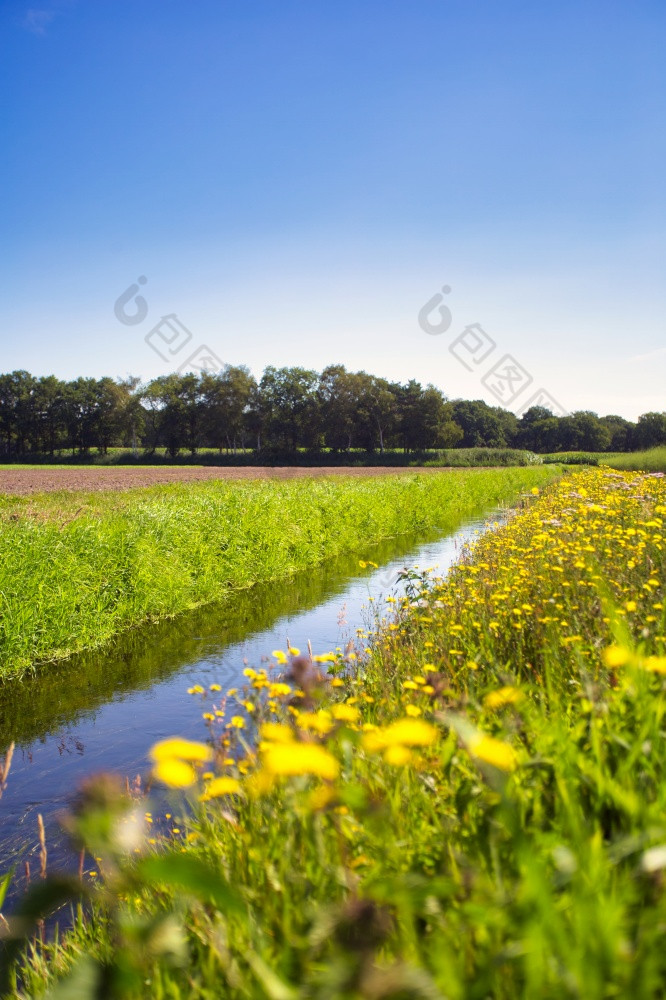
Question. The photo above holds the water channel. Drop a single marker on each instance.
(103, 710)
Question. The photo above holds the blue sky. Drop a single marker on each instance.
(296, 179)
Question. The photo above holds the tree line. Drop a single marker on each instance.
(285, 410)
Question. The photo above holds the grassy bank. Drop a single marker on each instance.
(475, 811)
(75, 569)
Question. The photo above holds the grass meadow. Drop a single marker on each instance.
(77, 568)
(470, 806)
(652, 460)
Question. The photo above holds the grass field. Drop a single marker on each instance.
(76, 568)
(653, 460)
(475, 809)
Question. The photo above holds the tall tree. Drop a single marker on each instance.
(226, 399)
(290, 406)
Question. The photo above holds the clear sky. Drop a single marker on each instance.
(296, 178)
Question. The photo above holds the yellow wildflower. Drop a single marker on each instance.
(221, 786)
(397, 755)
(495, 752)
(300, 758)
(276, 732)
(503, 696)
(174, 773)
(180, 749)
(616, 656)
(345, 713)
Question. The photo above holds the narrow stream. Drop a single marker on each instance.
(102, 711)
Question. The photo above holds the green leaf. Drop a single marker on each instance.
(4, 885)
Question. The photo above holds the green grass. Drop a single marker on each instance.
(652, 460)
(512, 848)
(76, 568)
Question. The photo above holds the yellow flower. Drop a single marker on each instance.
(300, 758)
(616, 656)
(410, 685)
(175, 773)
(180, 749)
(237, 721)
(535, 491)
(276, 732)
(197, 689)
(221, 786)
(404, 732)
(397, 755)
(503, 696)
(215, 687)
(413, 711)
(294, 651)
(278, 690)
(657, 664)
(317, 722)
(631, 605)
(345, 713)
(280, 656)
(494, 752)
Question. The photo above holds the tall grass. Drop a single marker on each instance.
(75, 569)
(653, 460)
(475, 811)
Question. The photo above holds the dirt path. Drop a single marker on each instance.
(25, 481)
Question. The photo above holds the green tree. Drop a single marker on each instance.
(650, 430)
(340, 395)
(378, 410)
(290, 407)
(480, 424)
(226, 399)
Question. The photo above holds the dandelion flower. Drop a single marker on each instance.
(503, 696)
(300, 758)
(616, 656)
(180, 749)
(276, 732)
(398, 756)
(221, 786)
(495, 752)
(174, 773)
(345, 713)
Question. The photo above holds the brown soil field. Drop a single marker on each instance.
(21, 482)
